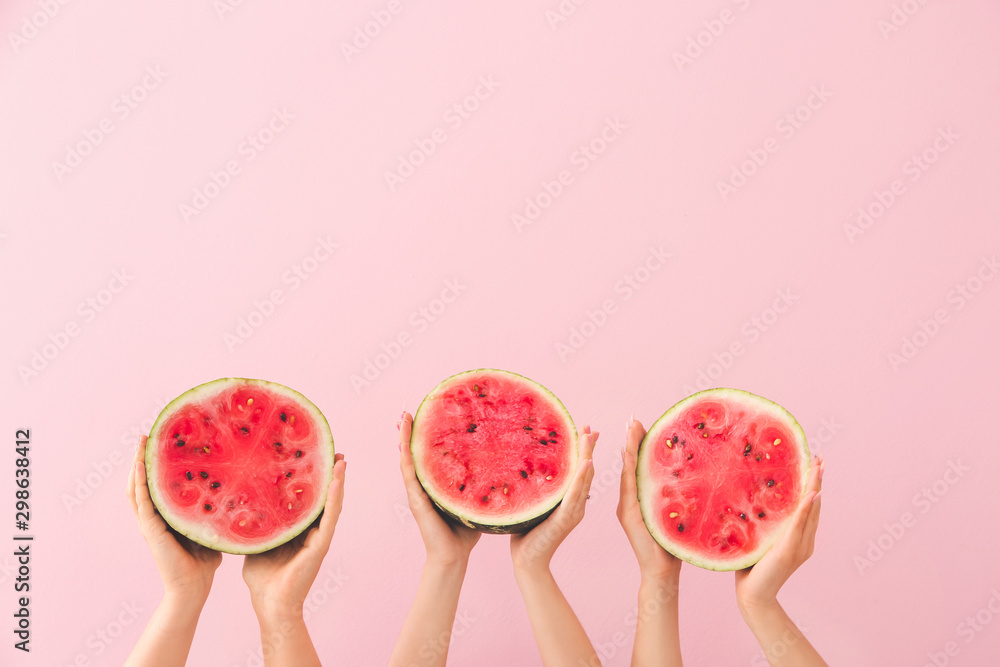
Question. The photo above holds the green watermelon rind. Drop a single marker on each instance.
(189, 529)
(648, 511)
(517, 524)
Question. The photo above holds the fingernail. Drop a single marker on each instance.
(402, 415)
(588, 463)
(596, 435)
(398, 424)
(816, 497)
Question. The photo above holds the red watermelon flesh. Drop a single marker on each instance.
(240, 465)
(494, 450)
(719, 476)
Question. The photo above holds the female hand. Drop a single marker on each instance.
(534, 549)
(446, 542)
(655, 562)
(758, 586)
(186, 568)
(280, 579)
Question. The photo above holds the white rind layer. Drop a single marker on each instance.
(198, 532)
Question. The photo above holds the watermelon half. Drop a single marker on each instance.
(240, 465)
(719, 476)
(494, 450)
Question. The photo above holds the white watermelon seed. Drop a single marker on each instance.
(243, 522)
(767, 455)
(548, 477)
(673, 515)
(249, 401)
(777, 441)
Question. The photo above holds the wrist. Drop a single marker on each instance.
(757, 606)
(184, 602)
(537, 568)
(447, 561)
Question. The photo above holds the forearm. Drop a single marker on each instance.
(657, 637)
(167, 638)
(426, 633)
(285, 641)
(558, 632)
(783, 643)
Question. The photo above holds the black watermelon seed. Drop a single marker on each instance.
(204, 475)
(208, 508)
(675, 474)
(277, 444)
(177, 435)
(524, 474)
(700, 425)
(544, 442)
(471, 429)
(760, 516)
(244, 429)
(673, 440)
(746, 450)
(283, 416)
(482, 395)
(690, 456)
(680, 527)
(770, 482)
(288, 474)
(216, 485)
(462, 488)
(189, 475)
(180, 443)
(553, 434)
(758, 457)
(743, 516)
(298, 454)
(485, 498)
(527, 428)
(475, 388)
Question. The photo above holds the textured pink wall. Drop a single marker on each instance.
(824, 108)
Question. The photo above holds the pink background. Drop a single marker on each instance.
(890, 426)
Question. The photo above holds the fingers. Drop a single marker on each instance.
(634, 432)
(140, 455)
(334, 504)
(415, 495)
(575, 501)
(146, 512)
